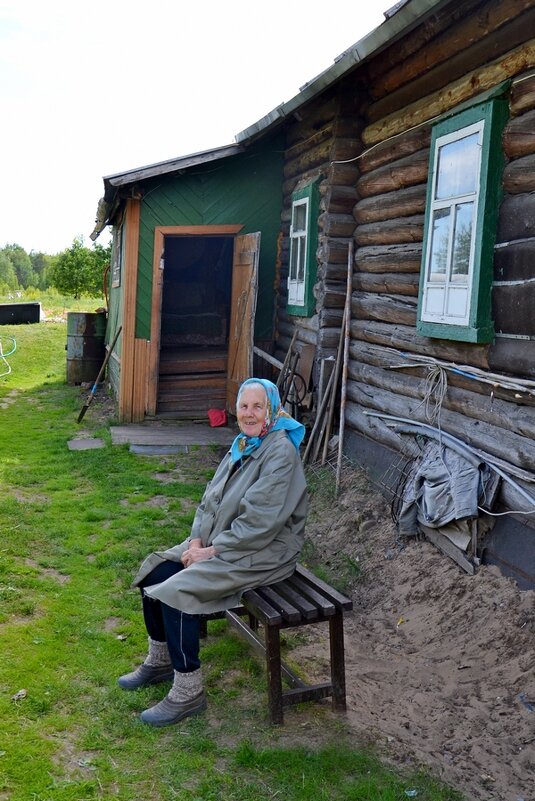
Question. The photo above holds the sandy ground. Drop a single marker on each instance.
(440, 665)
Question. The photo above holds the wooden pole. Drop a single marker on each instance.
(319, 417)
(344, 329)
(343, 391)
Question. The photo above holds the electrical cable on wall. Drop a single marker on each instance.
(4, 354)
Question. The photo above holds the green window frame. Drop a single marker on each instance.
(462, 205)
(302, 266)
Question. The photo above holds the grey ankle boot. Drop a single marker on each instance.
(186, 698)
(155, 669)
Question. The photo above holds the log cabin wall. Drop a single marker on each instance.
(328, 132)
(456, 55)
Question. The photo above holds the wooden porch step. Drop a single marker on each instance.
(210, 381)
(193, 361)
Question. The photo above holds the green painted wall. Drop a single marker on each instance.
(244, 189)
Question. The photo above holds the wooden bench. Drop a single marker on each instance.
(296, 601)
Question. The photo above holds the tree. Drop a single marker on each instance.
(8, 277)
(41, 265)
(22, 265)
(79, 270)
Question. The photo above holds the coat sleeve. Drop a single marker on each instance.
(264, 509)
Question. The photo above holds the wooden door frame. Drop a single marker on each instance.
(160, 232)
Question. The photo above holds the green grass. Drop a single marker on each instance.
(75, 525)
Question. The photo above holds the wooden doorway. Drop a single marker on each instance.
(204, 301)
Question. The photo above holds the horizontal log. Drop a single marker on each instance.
(468, 46)
(336, 224)
(505, 416)
(339, 199)
(298, 148)
(331, 317)
(333, 295)
(400, 203)
(307, 323)
(311, 158)
(377, 356)
(396, 309)
(405, 338)
(515, 262)
(333, 250)
(519, 136)
(513, 307)
(468, 86)
(466, 29)
(344, 148)
(343, 173)
(391, 232)
(327, 339)
(320, 114)
(505, 445)
(389, 258)
(517, 217)
(387, 283)
(290, 185)
(513, 357)
(402, 146)
(522, 94)
(519, 175)
(399, 174)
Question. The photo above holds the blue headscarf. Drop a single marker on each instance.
(276, 419)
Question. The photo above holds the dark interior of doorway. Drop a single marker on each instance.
(195, 317)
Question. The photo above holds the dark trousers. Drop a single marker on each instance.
(166, 624)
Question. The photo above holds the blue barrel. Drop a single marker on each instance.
(85, 346)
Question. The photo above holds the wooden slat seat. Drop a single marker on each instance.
(297, 601)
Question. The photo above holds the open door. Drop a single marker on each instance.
(242, 313)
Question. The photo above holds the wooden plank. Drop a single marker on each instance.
(325, 606)
(448, 548)
(141, 363)
(243, 308)
(289, 612)
(130, 265)
(337, 598)
(261, 609)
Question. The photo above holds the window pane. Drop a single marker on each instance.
(301, 265)
(299, 217)
(458, 167)
(439, 245)
(462, 240)
(293, 259)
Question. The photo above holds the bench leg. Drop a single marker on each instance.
(274, 677)
(338, 671)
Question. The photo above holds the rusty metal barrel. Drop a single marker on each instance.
(85, 346)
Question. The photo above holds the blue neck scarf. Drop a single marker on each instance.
(276, 419)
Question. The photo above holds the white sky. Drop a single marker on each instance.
(88, 89)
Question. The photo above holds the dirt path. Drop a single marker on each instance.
(440, 665)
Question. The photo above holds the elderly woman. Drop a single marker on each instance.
(248, 531)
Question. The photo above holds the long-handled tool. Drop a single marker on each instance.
(93, 392)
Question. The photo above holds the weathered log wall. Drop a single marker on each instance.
(322, 144)
(449, 60)
(368, 138)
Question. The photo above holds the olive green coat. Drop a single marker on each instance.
(255, 519)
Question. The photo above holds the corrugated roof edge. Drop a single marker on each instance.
(171, 165)
(407, 17)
